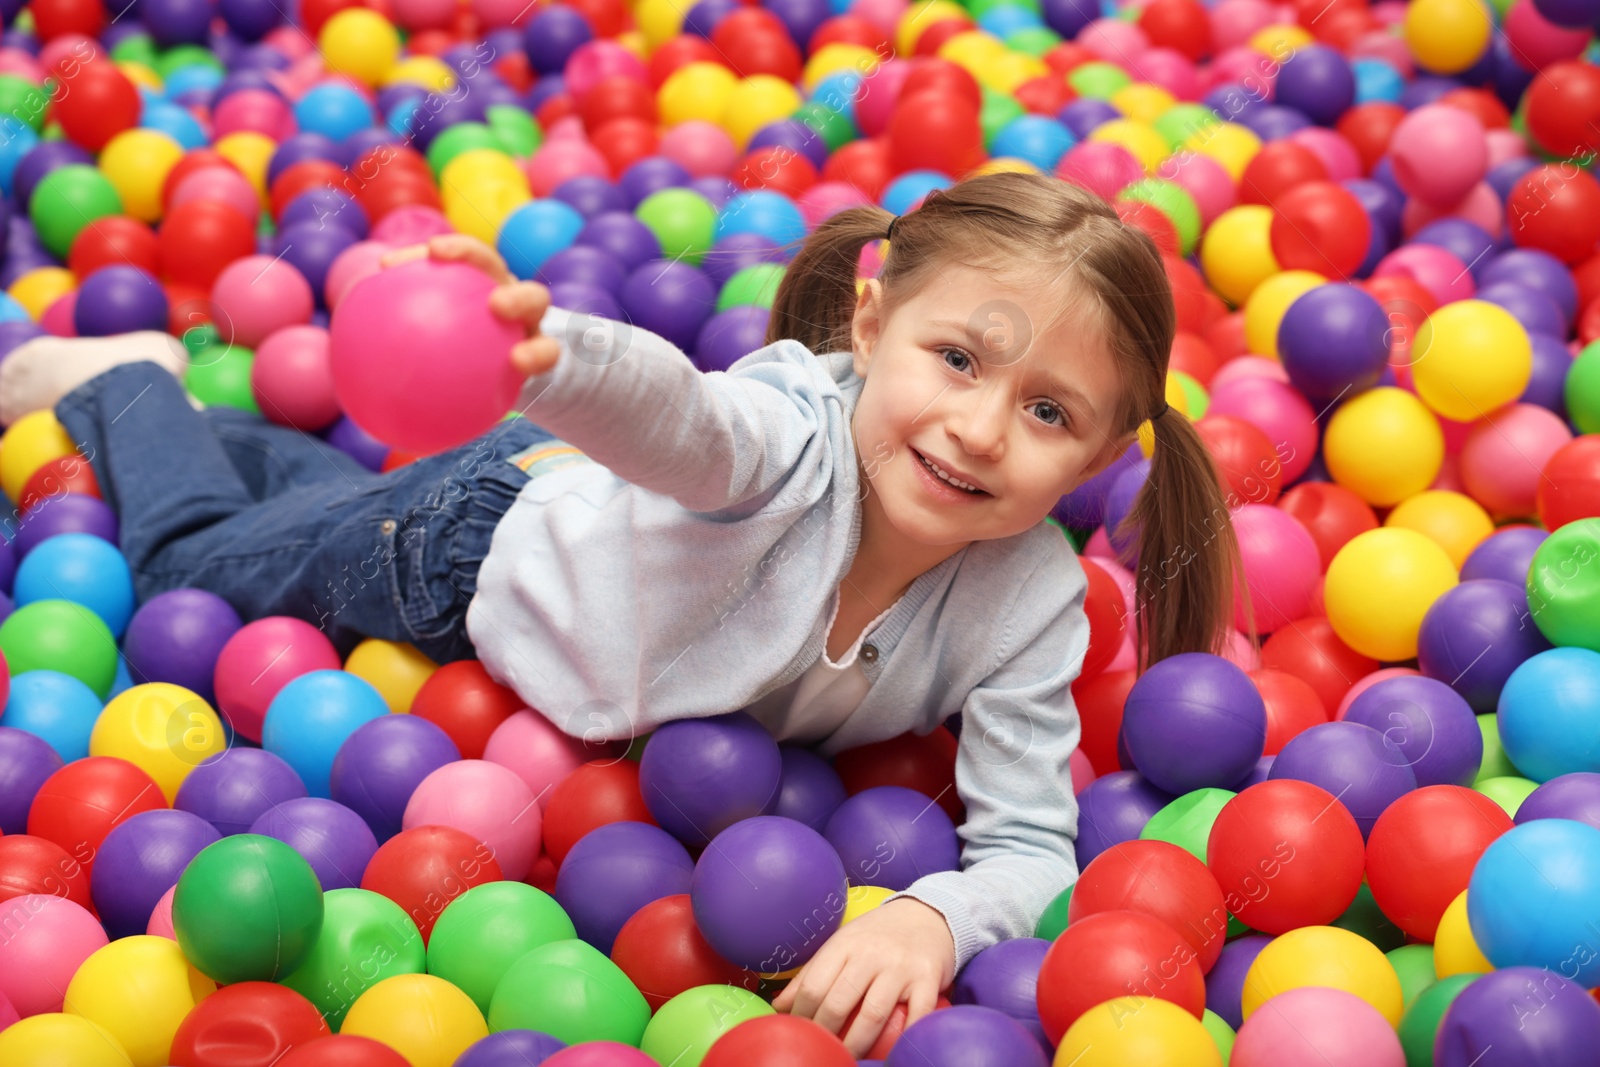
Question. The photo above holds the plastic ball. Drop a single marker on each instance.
(486, 800)
(247, 908)
(380, 765)
(1138, 1030)
(613, 871)
(51, 937)
(569, 990)
(139, 989)
(253, 1022)
(1280, 564)
(291, 379)
(1469, 358)
(60, 635)
(425, 868)
(1561, 593)
(596, 793)
(81, 803)
(685, 1027)
(1554, 212)
(361, 43)
(1561, 1021)
(1311, 1024)
(1323, 956)
(331, 837)
(365, 939)
(424, 1018)
(1334, 341)
(177, 637)
(1569, 796)
(312, 715)
(777, 1040)
(1159, 879)
(481, 933)
(397, 670)
(1381, 585)
(1115, 954)
(259, 660)
(1355, 762)
(41, 1040)
(1543, 725)
(1522, 911)
(164, 729)
(140, 860)
(56, 707)
(700, 776)
(1320, 226)
(1423, 850)
(1194, 720)
(257, 296)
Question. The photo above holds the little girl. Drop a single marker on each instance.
(843, 534)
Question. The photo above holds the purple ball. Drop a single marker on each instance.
(735, 252)
(793, 135)
(41, 159)
(590, 196)
(1085, 507)
(1551, 364)
(177, 636)
(8, 566)
(232, 789)
(890, 836)
(1352, 761)
(331, 837)
(510, 1048)
(1081, 117)
(586, 265)
(68, 513)
(1537, 312)
(250, 19)
(175, 22)
(1258, 774)
(1380, 203)
(800, 17)
(1274, 122)
(1431, 726)
(17, 332)
(325, 208)
(705, 15)
(716, 189)
(1194, 721)
(1113, 809)
(116, 300)
(26, 760)
(729, 336)
(381, 764)
(966, 1036)
(1472, 638)
(1506, 555)
(436, 113)
(623, 235)
(1573, 796)
(1521, 1016)
(358, 144)
(139, 861)
(1502, 177)
(767, 893)
(1068, 17)
(357, 443)
(1334, 341)
(700, 776)
(1467, 241)
(554, 34)
(311, 248)
(1509, 81)
(669, 298)
(1225, 980)
(1119, 505)
(1318, 82)
(1426, 89)
(590, 300)
(1571, 14)
(613, 871)
(1005, 976)
(810, 789)
(1539, 271)
(651, 175)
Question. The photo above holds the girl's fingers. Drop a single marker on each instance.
(407, 254)
(876, 1007)
(520, 302)
(458, 247)
(921, 996)
(535, 355)
(814, 981)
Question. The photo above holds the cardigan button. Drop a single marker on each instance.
(869, 653)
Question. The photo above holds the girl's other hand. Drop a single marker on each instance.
(900, 951)
(512, 300)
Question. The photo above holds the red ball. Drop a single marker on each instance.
(1588, 327)
(343, 1050)
(616, 97)
(114, 241)
(625, 141)
(1481, 103)
(62, 475)
(1159, 879)
(431, 42)
(892, 1028)
(426, 867)
(1332, 514)
(84, 801)
(462, 700)
(935, 131)
(1563, 107)
(1188, 292)
(1192, 355)
(1279, 167)
(1107, 612)
(1292, 706)
(101, 103)
(943, 77)
(678, 53)
(188, 307)
(1114, 954)
(607, 17)
(1369, 128)
(1226, 336)
(1100, 702)
(35, 865)
(556, 107)
(848, 29)
(1587, 277)
(199, 239)
(315, 13)
(1556, 208)
(1310, 650)
(926, 763)
(1246, 458)
(302, 177)
(1343, 27)
(251, 1024)
(194, 160)
(930, 40)
(663, 952)
(52, 18)
(1067, 57)
(597, 793)
(755, 41)
(863, 164)
(1045, 94)
(778, 1041)
(1181, 25)
(1287, 854)
(1422, 851)
(1320, 226)
(1152, 220)
(776, 167)
(397, 189)
(1569, 487)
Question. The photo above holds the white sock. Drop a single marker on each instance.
(35, 375)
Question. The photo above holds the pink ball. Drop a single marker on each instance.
(1233, 22)
(1389, 47)
(829, 198)
(358, 261)
(292, 379)
(59, 319)
(600, 1054)
(1204, 179)
(1431, 267)
(1316, 1025)
(419, 360)
(1249, 367)
(1082, 771)
(875, 103)
(1538, 42)
(223, 184)
(1367, 681)
(487, 801)
(1127, 656)
(1249, 68)
(8, 1012)
(594, 61)
(1480, 206)
(1504, 145)
(1277, 410)
(1171, 70)
(539, 753)
(1241, 653)
(1439, 153)
(47, 939)
(556, 161)
(1113, 40)
(253, 110)
(16, 61)
(493, 14)
(424, 14)
(260, 659)
(410, 225)
(567, 128)
(257, 296)
(1330, 146)
(1100, 167)
(161, 917)
(1281, 567)
(884, 14)
(290, 40)
(1504, 455)
(702, 148)
(1099, 545)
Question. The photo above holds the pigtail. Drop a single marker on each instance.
(816, 300)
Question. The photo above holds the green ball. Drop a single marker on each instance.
(1033, 41)
(247, 909)
(999, 110)
(454, 140)
(1496, 764)
(1365, 918)
(1582, 391)
(67, 200)
(61, 635)
(1054, 919)
(481, 933)
(979, 8)
(1414, 965)
(754, 286)
(366, 937)
(200, 337)
(1186, 822)
(1173, 201)
(1182, 121)
(685, 1027)
(22, 100)
(1098, 80)
(1508, 792)
(136, 48)
(1195, 396)
(683, 221)
(571, 991)
(1564, 586)
(220, 377)
(187, 55)
(1220, 1032)
(1420, 1023)
(516, 130)
(834, 127)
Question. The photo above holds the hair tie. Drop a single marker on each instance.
(890, 235)
(1165, 407)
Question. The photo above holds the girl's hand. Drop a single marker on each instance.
(900, 951)
(511, 299)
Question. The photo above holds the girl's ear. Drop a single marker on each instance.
(866, 326)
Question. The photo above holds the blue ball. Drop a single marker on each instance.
(56, 707)
(1039, 140)
(175, 122)
(1377, 81)
(11, 311)
(17, 139)
(1005, 19)
(901, 194)
(536, 231)
(312, 716)
(333, 110)
(1547, 714)
(760, 211)
(1534, 899)
(84, 569)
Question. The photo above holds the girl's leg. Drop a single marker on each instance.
(272, 458)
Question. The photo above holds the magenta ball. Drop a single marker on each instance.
(701, 776)
(1320, 1025)
(263, 657)
(333, 839)
(890, 836)
(253, 111)
(1277, 410)
(177, 636)
(1439, 153)
(47, 939)
(613, 871)
(360, 260)
(1100, 167)
(292, 379)
(223, 185)
(537, 750)
(600, 1054)
(486, 801)
(232, 789)
(380, 765)
(1281, 568)
(256, 296)
(139, 861)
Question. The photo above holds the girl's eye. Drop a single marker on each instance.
(1061, 414)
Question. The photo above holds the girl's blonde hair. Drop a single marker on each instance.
(1187, 553)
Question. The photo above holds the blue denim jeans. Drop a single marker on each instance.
(278, 522)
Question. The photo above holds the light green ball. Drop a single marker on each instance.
(685, 1027)
(684, 222)
(1414, 965)
(1220, 1032)
(462, 137)
(69, 199)
(1098, 80)
(754, 286)
(481, 933)
(1173, 201)
(516, 130)
(1186, 822)
(1508, 792)
(1496, 764)
(220, 377)
(571, 991)
(61, 635)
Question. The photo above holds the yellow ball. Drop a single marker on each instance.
(1280, 41)
(361, 43)
(395, 669)
(1324, 956)
(1177, 400)
(757, 101)
(832, 58)
(860, 899)
(56, 1038)
(141, 75)
(1384, 445)
(1236, 252)
(479, 189)
(1137, 1032)
(696, 91)
(28, 444)
(1380, 585)
(38, 289)
(1141, 139)
(426, 71)
(972, 49)
(250, 152)
(136, 162)
(919, 17)
(1004, 165)
(1469, 358)
(138, 988)
(659, 20)
(1005, 72)
(163, 729)
(1455, 521)
(634, 42)
(1447, 36)
(1269, 302)
(1455, 950)
(426, 1019)
(1233, 146)
(1142, 101)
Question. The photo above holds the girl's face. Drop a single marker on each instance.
(974, 375)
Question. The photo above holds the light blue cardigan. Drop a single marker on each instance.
(682, 569)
